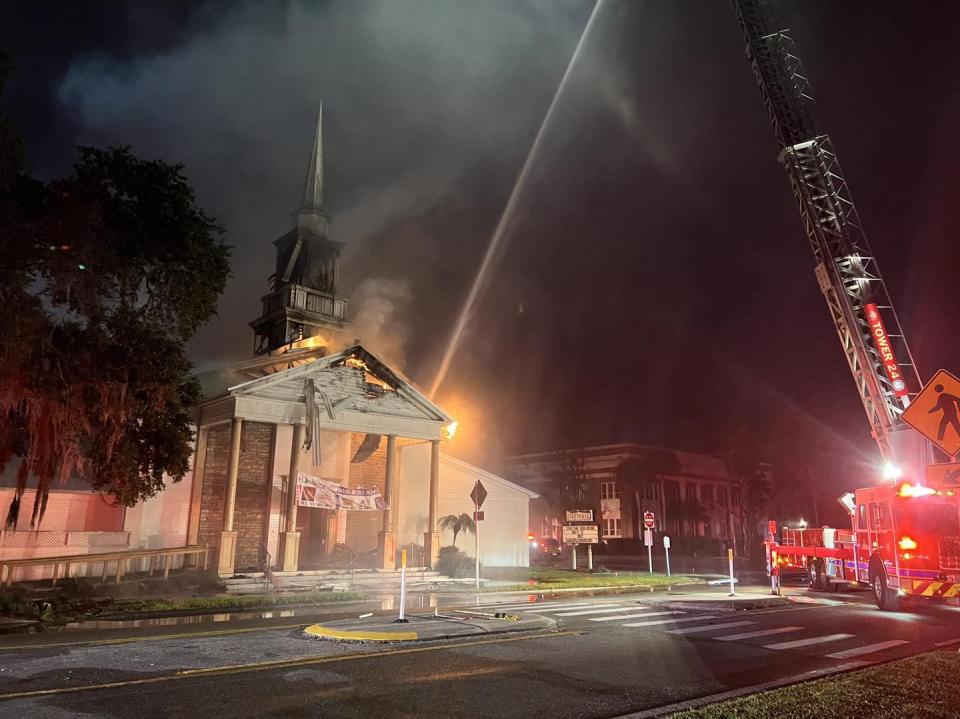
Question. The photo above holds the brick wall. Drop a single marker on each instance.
(363, 527)
(214, 481)
(253, 478)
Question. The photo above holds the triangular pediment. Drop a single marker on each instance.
(350, 381)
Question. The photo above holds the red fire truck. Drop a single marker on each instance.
(904, 540)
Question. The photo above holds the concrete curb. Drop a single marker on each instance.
(700, 702)
(428, 631)
(321, 632)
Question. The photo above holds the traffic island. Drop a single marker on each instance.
(426, 627)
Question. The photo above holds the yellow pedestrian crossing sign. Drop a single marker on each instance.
(935, 412)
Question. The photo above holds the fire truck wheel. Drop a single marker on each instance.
(887, 599)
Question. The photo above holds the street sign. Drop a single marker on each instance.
(943, 474)
(581, 534)
(478, 516)
(478, 494)
(648, 520)
(579, 515)
(666, 542)
(935, 412)
(647, 537)
(772, 528)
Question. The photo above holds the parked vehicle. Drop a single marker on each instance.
(544, 548)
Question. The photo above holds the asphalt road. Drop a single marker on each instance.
(610, 656)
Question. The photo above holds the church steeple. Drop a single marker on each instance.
(303, 306)
(311, 215)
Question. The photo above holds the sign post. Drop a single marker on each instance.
(649, 522)
(733, 592)
(648, 541)
(576, 534)
(478, 494)
(403, 586)
(666, 550)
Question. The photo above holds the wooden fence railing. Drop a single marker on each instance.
(157, 559)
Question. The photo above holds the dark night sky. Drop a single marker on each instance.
(655, 285)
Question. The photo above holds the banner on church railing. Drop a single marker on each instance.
(324, 494)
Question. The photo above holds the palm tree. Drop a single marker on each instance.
(457, 523)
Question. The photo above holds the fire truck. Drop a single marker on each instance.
(903, 538)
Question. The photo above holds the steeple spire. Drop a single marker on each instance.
(302, 305)
(311, 215)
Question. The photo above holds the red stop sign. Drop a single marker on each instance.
(648, 520)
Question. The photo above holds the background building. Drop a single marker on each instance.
(693, 497)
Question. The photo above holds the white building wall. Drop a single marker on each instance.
(161, 521)
(503, 533)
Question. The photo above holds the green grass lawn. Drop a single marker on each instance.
(549, 578)
(923, 686)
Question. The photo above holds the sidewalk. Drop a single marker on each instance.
(427, 627)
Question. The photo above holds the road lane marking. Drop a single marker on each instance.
(868, 649)
(807, 642)
(278, 664)
(631, 616)
(669, 621)
(758, 633)
(947, 642)
(584, 612)
(550, 607)
(709, 627)
(534, 605)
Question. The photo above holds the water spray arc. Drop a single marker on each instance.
(505, 217)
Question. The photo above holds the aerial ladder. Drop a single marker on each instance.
(904, 538)
(846, 269)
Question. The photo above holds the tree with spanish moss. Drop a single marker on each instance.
(104, 276)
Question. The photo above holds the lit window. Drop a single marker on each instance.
(612, 528)
(609, 490)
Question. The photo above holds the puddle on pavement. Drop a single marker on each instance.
(423, 601)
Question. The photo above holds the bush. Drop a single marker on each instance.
(454, 563)
(13, 601)
(74, 588)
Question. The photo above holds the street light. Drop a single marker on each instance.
(803, 524)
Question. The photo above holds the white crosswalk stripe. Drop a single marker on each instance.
(758, 633)
(652, 622)
(584, 612)
(868, 649)
(708, 628)
(807, 642)
(550, 607)
(620, 617)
